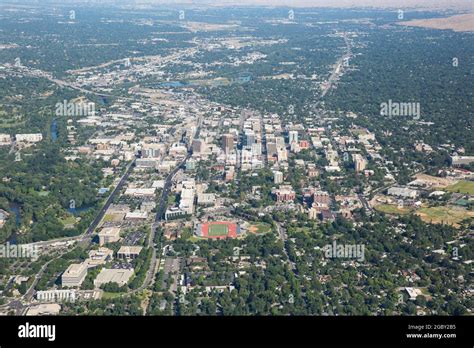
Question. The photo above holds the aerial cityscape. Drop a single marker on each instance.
(198, 160)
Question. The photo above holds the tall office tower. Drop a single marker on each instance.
(277, 177)
(249, 137)
(257, 149)
(228, 142)
(293, 136)
(198, 145)
(360, 163)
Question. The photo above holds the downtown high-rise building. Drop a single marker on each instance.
(293, 136)
(227, 143)
(198, 146)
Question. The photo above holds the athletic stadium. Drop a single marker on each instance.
(217, 230)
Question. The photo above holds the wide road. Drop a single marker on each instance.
(364, 202)
(31, 291)
(109, 201)
(338, 65)
(162, 205)
(284, 237)
(159, 214)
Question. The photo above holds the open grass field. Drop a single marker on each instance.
(218, 230)
(462, 186)
(260, 227)
(212, 82)
(110, 295)
(117, 217)
(449, 215)
(108, 218)
(392, 209)
(68, 220)
(446, 215)
(12, 124)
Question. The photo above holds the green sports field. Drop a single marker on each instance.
(462, 186)
(218, 230)
(260, 227)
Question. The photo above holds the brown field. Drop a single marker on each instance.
(463, 22)
(449, 215)
(444, 215)
(436, 181)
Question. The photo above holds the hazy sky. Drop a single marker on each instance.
(466, 4)
(421, 4)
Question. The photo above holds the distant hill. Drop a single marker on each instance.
(456, 23)
(433, 4)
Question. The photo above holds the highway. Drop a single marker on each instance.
(339, 64)
(109, 201)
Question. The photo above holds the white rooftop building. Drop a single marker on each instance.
(74, 275)
(118, 276)
(29, 138)
(402, 192)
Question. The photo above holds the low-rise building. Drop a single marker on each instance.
(118, 276)
(413, 292)
(457, 161)
(146, 163)
(56, 295)
(173, 213)
(129, 252)
(136, 215)
(402, 192)
(99, 257)
(206, 198)
(74, 275)
(140, 192)
(29, 138)
(109, 235)
(43, 309)
(284, 194)
(5, 139)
